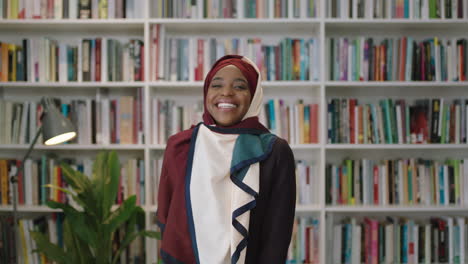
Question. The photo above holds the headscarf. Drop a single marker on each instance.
(252, 74)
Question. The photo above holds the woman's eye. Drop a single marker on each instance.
(240, 87)
(216, 85)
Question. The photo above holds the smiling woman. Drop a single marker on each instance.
(227, 188)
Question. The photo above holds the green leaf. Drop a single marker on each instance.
(52, 251)
(83, 188)
(83, 229)
(77, 180)
(152, 234)
(72, 244)
(59, 188)
(125, 211)
(112, 187)
(126, 242)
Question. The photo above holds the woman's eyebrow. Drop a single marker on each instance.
(240, 80)
(217, 79)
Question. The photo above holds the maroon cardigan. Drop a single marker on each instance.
(271, 221)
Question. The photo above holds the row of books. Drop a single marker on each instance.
(400, 240)
(305, 241)
(398, 59)
(47, 170)
(397, 121)
(397, 182)
(190, 59)
(104, 120)
(170, 117)
(70, 9)
(298, 123)
(49, 60)
(409, 9)
(236, 9)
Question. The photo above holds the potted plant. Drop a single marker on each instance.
(88, 232)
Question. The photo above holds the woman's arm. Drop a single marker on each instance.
(279, 215)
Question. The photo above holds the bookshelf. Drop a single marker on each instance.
(271, 30)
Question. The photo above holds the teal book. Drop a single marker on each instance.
(303, 64)
(441, 185)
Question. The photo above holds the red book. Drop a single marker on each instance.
(352, 120)
(98, 60)
(402, 59)
(376, 185)
(307, 245)
(113, 120)
(142, 62)
(200, 55)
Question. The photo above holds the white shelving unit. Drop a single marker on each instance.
(321, 27)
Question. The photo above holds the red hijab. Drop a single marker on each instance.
(252, 76)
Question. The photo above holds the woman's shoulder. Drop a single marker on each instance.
(281, 148)
(179, 139)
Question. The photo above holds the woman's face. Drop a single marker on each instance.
(228, 97)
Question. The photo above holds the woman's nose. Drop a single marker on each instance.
(227, 90)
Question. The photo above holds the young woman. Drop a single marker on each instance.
(227, 190)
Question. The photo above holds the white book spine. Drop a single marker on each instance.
(446, 185)
(80, 61)
(155, 123)
(465, 16)
(337, 244)
(73, 9)
(399, 124)
(384, 186)
(465, 180)
(451, 241)
(88, 122)
(454, 60)
(105, 104)
(462, 228)
(449, 61)
(192, 56)
(95, 8)
(32, 121)
(457, 124)
(437, 60)
(366, 183)
(290, 9)
(104, 73)
(111, 9)
(63, 62)
(23, 126)
(58, 9)
(389, 250)
(271, 8)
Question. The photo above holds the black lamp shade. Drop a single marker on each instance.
(56, 128)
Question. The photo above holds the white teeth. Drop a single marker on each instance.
(226, 105)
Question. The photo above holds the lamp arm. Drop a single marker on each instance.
(14, 181)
